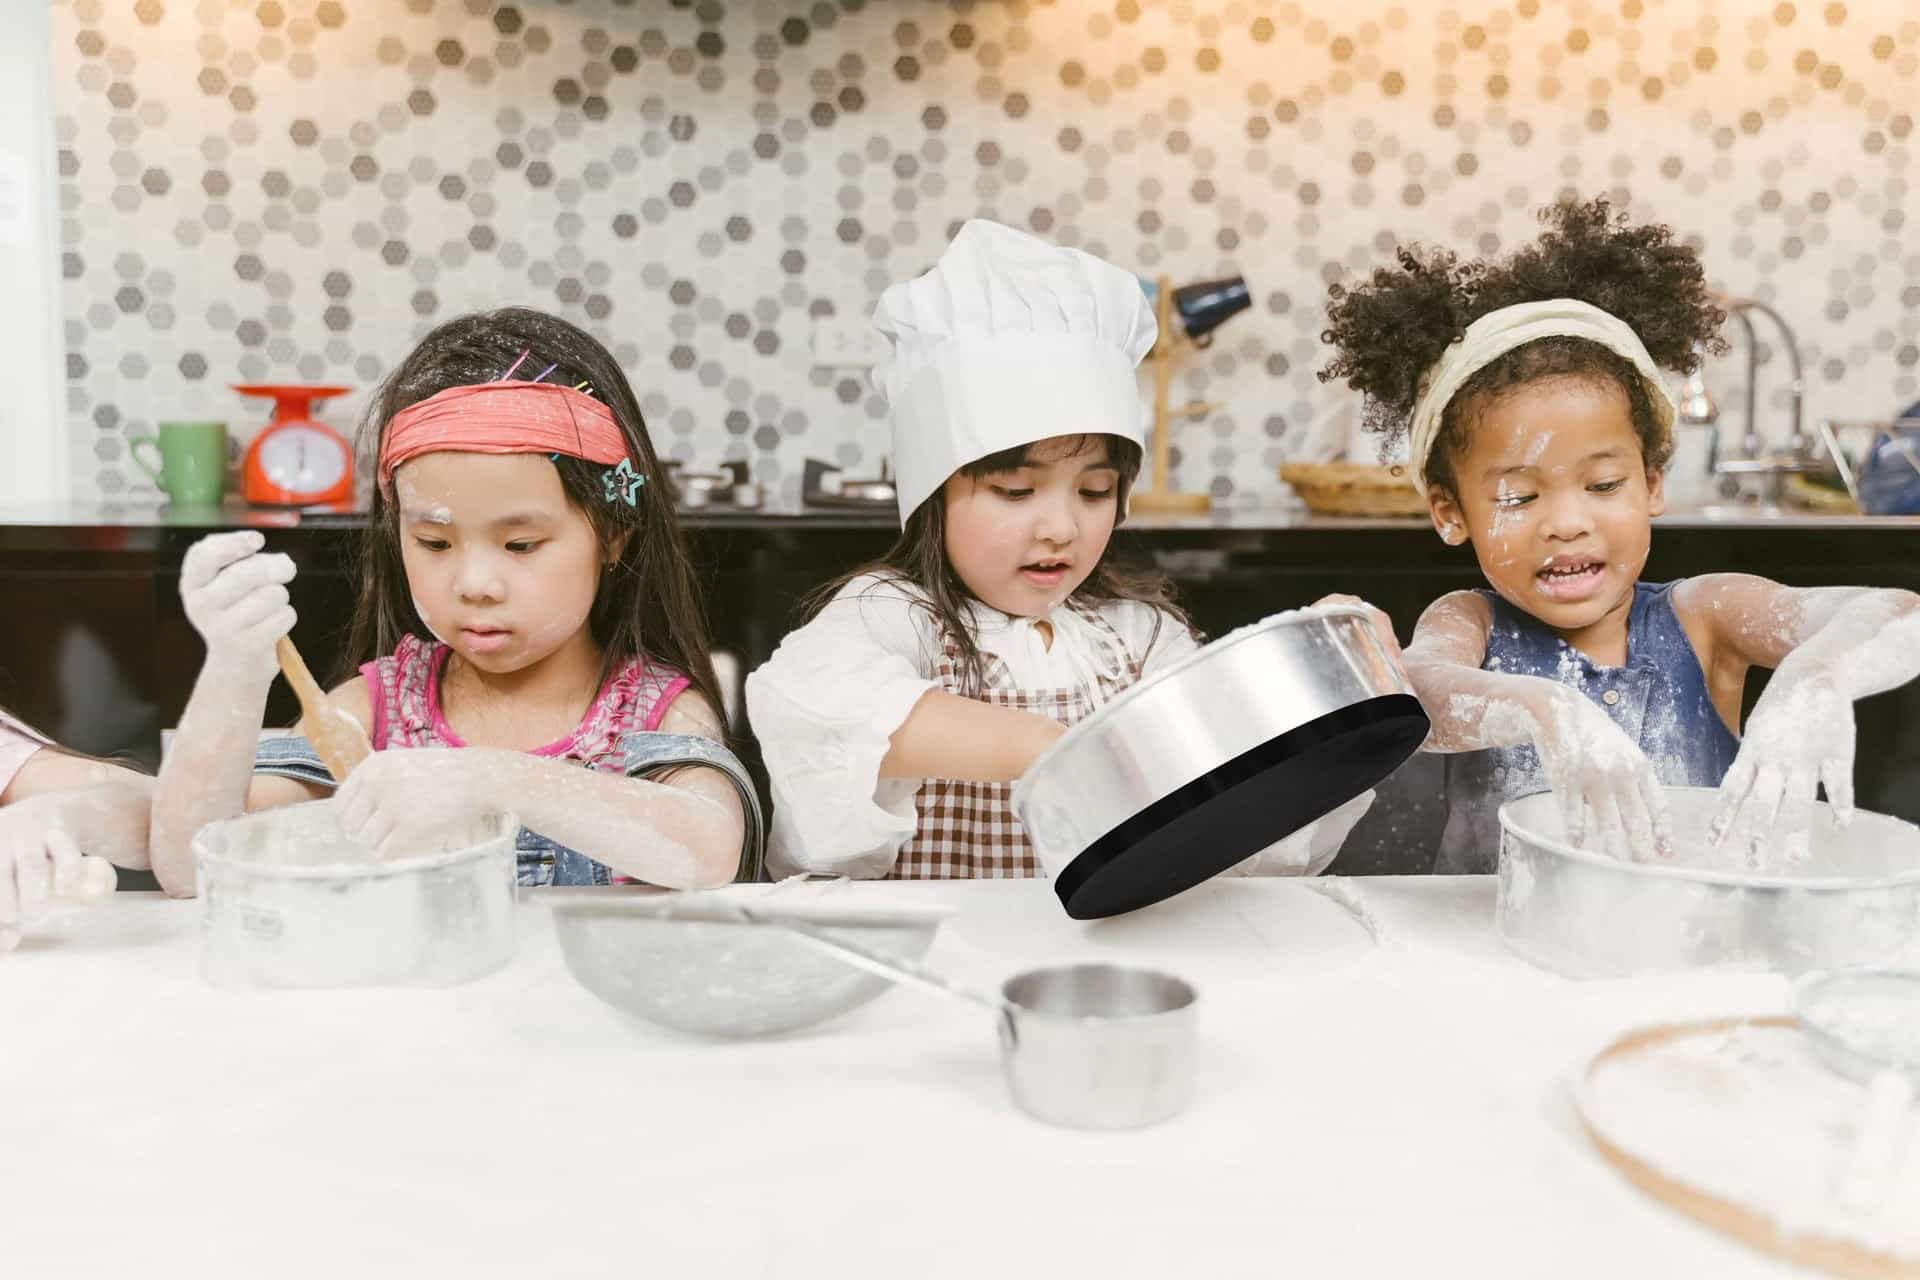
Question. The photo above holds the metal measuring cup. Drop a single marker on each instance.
(1085, 1046)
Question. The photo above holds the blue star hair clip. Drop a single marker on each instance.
(622, 482)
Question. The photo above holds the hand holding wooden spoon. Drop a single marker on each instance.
(336, 736)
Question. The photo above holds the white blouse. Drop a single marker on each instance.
(826, 705)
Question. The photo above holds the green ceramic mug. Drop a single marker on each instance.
(191, 465)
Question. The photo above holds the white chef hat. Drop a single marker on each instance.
(1007, 340)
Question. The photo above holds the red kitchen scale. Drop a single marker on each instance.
(295, 461)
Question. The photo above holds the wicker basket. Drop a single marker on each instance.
(1353, 489)
(1819, 498)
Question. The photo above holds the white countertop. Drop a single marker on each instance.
(1382, 1092)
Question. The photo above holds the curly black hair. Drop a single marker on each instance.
(1394, 327)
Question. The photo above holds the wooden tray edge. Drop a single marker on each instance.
(1756, 1230)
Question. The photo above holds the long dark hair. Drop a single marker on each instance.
(918, 558)
(649, 603)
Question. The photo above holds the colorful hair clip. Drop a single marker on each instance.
(622, 482)
(517, 362)
(542, 375)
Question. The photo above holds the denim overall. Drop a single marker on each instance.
(1659, 699)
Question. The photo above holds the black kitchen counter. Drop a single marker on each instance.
(98, 651)
(138, 526)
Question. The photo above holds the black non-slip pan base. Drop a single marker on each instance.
(1239, 808)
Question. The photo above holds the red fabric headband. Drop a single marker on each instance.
(502, 417)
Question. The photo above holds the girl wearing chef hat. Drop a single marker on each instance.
(895, 720)
(1529, 391)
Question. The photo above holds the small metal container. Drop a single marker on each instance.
(1088, 1046)
(1863, 1021)
(1099, 1046)
(1218, 757)
(877, 492)
(699, 489)
(288, 901)
(1855, 901)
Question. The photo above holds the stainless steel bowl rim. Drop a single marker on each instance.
(1841, 1054)
(669, 907)
(509, 828)
(1024, 1012)
(1808, 989)
(1133, 692)
(1694, 875)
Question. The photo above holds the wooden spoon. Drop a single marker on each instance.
(336, 736)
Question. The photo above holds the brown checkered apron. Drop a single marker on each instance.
(967, 829)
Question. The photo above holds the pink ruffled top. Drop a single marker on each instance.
(404, 689)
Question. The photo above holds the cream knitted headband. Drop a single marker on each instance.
(1498, 332)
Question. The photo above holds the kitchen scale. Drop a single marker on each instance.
(295, 461)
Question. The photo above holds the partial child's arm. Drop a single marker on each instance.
(948, 736)
(1829, 647)
(237, 600)
(1596, 771)
(56, 809)
(683, 832)
(105, 806)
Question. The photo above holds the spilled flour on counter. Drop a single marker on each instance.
(1340, 891)
(1753, 1116)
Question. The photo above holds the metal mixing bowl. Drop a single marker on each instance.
(688, 965)
(1854, 902)
(288, 901)
(1217, 757)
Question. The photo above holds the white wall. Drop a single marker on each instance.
(33, 453)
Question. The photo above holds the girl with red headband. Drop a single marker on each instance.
(525, 595)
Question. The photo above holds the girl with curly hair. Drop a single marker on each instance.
(1529, 391)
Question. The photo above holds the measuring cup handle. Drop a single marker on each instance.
(889, 967)
(153, 468)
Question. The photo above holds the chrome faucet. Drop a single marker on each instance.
(1751, 456)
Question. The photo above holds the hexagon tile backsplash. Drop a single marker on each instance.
(296, 189)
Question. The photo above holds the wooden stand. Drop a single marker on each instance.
(1155, 498)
